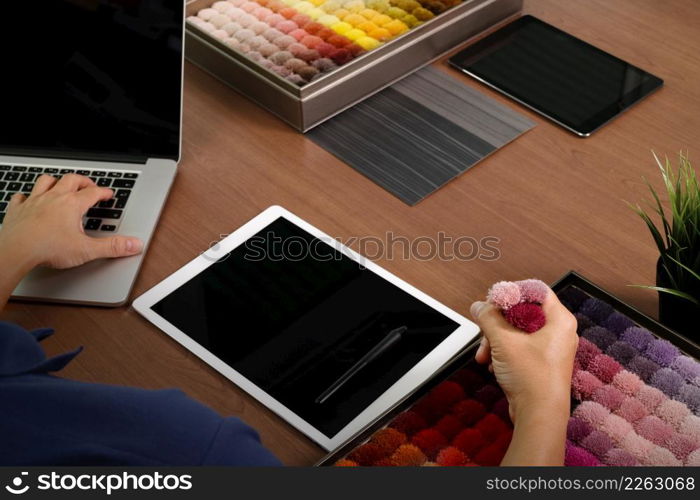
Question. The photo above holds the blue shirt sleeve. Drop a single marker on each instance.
(47, 420)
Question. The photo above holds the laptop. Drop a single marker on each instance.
(93, 87)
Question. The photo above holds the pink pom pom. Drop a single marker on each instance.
(525, 316)
(504, 294)
(284, 41)
(591, 412)
(286, 26)
(298, 34)
(533, 290)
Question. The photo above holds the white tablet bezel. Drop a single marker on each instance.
(416, 376)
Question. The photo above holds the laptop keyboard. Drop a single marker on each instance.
(105, 216)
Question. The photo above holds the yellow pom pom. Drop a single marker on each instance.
(380, 34)
(354, 34)
(315, 13)
(367, 26)
(381, 19)
(341, 28)
(423, 14)
(354, 19)
(340, 13)
(396, 27)
(368, 13)
(367, 43)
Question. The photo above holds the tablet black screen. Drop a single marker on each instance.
(292, 315)
(558, 75)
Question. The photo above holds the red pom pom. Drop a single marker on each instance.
(468, 379)
(526, 316)
(388, 439)
(408, 422)
(503, 441)
(490, 456)
(355, 49)
(491, 427)
(438, 401)
(449, 426)
(385, 462)
(340, 56)
(366, 454)
(429, 441)
(452, 457)
(469, 411)
(470, 441)
(338, 40)
(501, 408)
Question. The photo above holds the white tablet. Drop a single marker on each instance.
(323, 337)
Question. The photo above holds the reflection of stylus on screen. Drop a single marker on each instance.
(391, 338)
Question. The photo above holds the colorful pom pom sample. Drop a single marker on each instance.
(636, 401)
(336, 30)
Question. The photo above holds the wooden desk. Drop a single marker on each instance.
(555, 202)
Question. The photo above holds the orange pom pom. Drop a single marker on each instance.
(344, 462)
(408, 455)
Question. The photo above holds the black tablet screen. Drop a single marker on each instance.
(558, 75)
(292, 314)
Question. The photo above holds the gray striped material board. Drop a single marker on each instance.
(420, 133)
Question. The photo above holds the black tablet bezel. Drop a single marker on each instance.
(466, 58)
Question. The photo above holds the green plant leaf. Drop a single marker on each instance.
(670, 291)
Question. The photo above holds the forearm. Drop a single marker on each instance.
(539, 437)
(15, 265)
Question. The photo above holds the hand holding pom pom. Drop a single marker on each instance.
(520, 302)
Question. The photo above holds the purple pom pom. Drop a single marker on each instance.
(583, 323)
(661, 352)
(573, 297)
(598, 443)
(686, 367)
(622, 352)
(600, 336)
(690, 395)
(667, 381)
(577, 429)
(596, 310)
(637, 337)
(617, 323)
(643, 367)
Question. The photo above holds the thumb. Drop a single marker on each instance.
(114, 246)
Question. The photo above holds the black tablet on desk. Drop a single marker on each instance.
(556, 74)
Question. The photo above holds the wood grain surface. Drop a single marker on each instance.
(555, 202)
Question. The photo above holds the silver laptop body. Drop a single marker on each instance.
(145, 181)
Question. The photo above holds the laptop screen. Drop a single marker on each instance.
(91, 79)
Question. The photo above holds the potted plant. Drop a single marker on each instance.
(678, 241)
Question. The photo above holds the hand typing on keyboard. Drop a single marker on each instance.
(45, 227)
